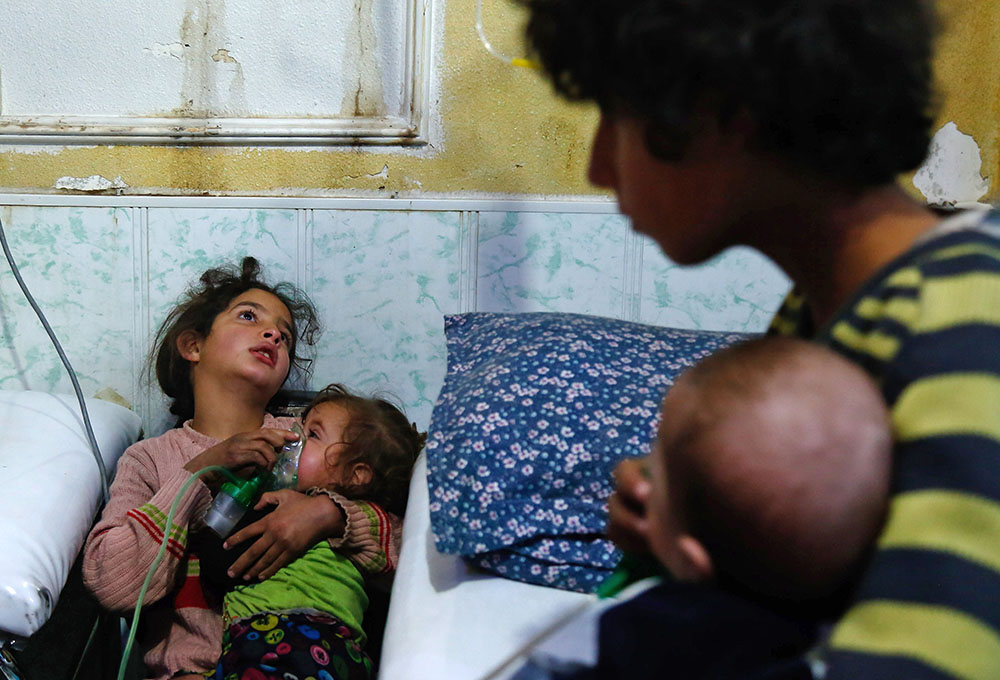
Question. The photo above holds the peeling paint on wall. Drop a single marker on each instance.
(175, 50)
(92, 184)
(487, 126)
(951, 173)
(223, 55)
(968, 78)
(196, 86)
(364, 97)
(499, 130)
(213, 82)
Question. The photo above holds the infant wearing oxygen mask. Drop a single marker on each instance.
(307, 617)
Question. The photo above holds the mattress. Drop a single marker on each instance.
(449, 620)
(50, 491)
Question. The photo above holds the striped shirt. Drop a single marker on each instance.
(927, 328)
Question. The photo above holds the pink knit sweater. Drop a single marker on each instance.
(182, 629)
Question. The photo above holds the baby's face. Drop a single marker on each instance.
(320, 463)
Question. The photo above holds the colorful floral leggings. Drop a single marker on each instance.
(291, 646)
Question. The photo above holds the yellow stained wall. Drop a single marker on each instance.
(968, 78)
(504, 131)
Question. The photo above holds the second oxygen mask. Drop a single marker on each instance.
(235, 498)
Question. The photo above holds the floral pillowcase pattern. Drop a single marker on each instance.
(535, 412)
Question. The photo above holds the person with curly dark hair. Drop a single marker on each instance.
(196, 312)
(223, 354)
(783, 125)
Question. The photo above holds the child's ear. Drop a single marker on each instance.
(189, 345)
(697, 563)
(361, 475)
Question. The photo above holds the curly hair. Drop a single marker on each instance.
(840, 86)
(196, 311)
(378, 434)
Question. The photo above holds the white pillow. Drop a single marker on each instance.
(50, 491)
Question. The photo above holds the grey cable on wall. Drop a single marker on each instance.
(105, 494)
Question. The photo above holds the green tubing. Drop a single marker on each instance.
(127, 651)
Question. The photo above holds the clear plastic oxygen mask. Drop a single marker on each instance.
(235, 498)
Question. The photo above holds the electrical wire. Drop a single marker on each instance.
(514, 61)
(105, 493)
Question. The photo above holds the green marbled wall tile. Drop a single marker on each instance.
(383, 282)
(77, 264)
(552, 262)
(738, 290)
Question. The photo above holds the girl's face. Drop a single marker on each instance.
(247, 345)
(323, 461)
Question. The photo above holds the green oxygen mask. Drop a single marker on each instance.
(235, 498)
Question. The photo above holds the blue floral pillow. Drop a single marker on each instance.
(535, 412)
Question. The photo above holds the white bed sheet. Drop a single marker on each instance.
(50, 490)
(449, 621)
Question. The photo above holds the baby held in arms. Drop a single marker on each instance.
(769, 482)
(307, 618)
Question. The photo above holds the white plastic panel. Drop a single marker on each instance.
(50, 490)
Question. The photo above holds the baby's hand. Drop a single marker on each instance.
(285, 534)
(628, 525)
(241, 453)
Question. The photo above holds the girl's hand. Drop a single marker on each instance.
(242, 453)
(297, 523)
(628, 525)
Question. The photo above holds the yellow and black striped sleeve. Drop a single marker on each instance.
(929, 332)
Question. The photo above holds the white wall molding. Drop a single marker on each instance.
(220, 83)
(110, 131)
(538, 204)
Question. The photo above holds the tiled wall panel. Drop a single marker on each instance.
(737, 290)
(381, 279)
(533, 262)
(78, 265)
(381, 282)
